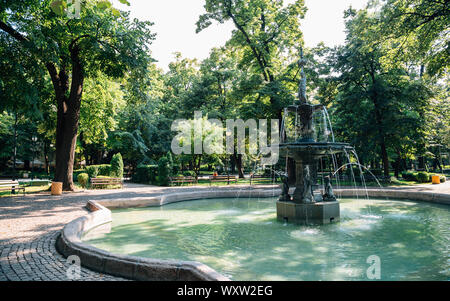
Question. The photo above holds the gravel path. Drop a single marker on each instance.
(30, 224)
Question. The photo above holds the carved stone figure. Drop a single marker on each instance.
(284, 197)
(329, 195)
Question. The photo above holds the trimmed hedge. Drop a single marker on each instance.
(421, 176)
(76, 173)
(83, 179)
(99, 170)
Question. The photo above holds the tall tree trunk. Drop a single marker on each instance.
(397, 167)
(68, 115)
(233, 163)
(239, 166)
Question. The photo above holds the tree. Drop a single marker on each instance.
(269, 33)
(417, 30)
(198, 132)
(130, 144)
(102, 102)
(117, 165)
(374, 97)
(102, 39)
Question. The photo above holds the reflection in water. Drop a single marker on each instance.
(241, 239)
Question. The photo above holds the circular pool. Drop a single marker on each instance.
(241, 239)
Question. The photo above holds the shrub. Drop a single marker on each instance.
(423, 177)
(163, 171)
(98, 170)
(409, 176)
(92, 171)
(76, 173)
(145, 174)
(83, 179)
(104, 170)
(116, 166)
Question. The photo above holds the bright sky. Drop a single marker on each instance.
(175, 26)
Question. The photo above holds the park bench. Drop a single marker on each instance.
(261, 178)
(11, 186)
(182, 179)
(223, 179)
(98, 182)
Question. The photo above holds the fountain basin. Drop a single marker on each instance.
(241, 239)
(139, 266)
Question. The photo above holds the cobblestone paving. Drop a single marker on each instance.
(38, 260)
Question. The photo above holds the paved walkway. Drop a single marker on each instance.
(29, 226)
(38, 260)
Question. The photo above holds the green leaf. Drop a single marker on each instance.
(104, 4)
(58, 7)
(124, 2)
(115, 12)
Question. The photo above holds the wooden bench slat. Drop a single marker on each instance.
(11, 186)
(182, 179)
(106, 181)
(261, 178)
(228, 179)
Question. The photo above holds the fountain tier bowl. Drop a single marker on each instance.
(310, 152)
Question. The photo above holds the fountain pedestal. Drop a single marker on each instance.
(308, 213)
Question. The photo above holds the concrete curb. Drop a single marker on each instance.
(140, 268)
(431, 197)
(130, 267)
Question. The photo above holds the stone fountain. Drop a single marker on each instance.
(307, 205)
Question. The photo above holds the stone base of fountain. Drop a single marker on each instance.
(318, 213)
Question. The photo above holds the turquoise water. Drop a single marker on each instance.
(241, 239)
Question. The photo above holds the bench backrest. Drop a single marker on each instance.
(105, 180)
(261, 177)
(222, 177)
(186, 178)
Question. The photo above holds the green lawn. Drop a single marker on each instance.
(28, 190)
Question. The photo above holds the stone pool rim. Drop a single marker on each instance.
(147, 269)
